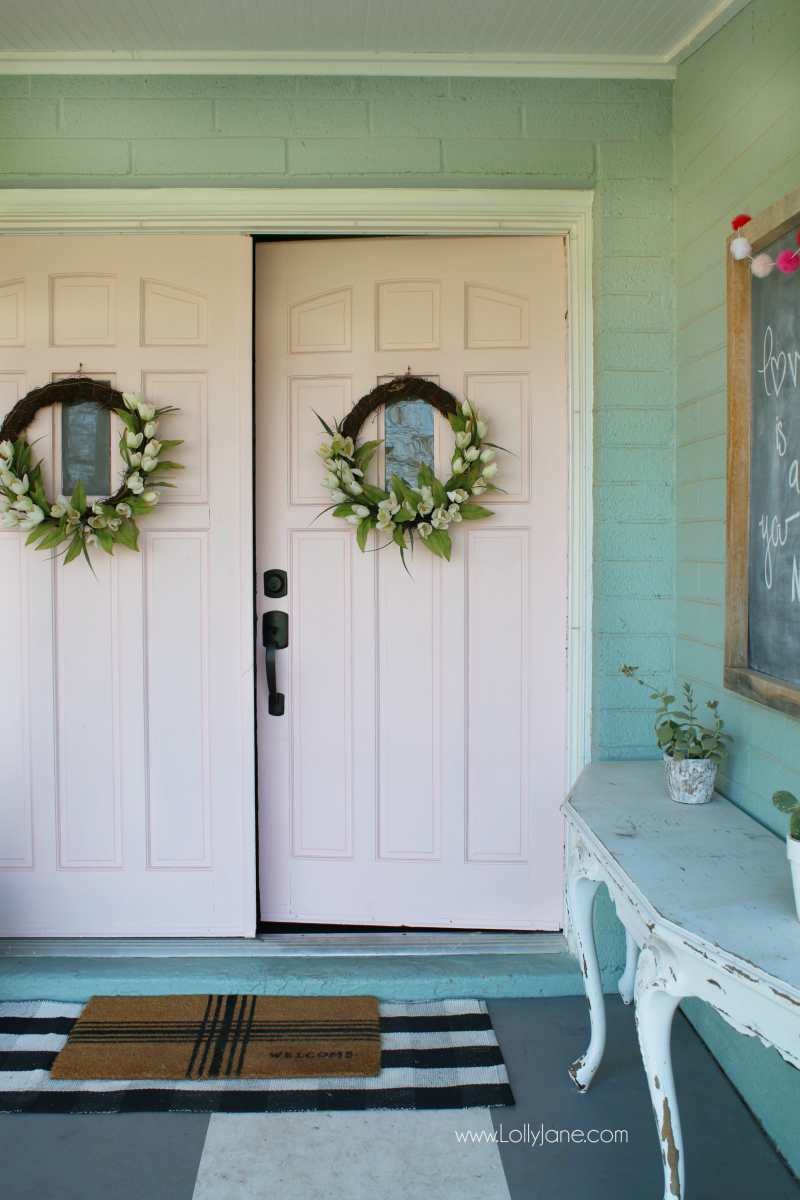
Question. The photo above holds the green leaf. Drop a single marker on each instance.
(439, 542)
(474, 512)
(363, 531)
(166, 465)
(432, 543)
(35, 534)
(367, 448)
(785, 802)
(457, 423)
(54, 538)
(75, 548)
(403, 515)
(167, 446)
(343, 510)
(374, 494)
(424, 477)
(79, 497)
(106, 539)
(324, 424)
(439, 493)
(399, 538)
(126, 536)
(128, 419)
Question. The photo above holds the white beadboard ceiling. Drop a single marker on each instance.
(410, 37)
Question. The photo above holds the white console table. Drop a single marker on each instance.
(705, 895)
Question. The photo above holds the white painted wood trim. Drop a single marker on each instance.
(392, 211)
(332, 62)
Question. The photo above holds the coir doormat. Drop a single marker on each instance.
(222, 1037)
(442, 1054)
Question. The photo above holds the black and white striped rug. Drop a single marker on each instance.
(442, 1054)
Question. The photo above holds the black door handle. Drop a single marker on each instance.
(275, 636)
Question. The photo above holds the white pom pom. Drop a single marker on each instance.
(741, 248)
(762, 265)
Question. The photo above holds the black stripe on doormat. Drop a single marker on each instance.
(27, 1060)
(482, 1095)
(455, 1023)
(37, 1025)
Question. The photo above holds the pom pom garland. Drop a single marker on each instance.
(739, 221)
(741, 248)
(762, 266)
(787, 261)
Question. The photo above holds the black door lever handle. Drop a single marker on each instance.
(275, 636)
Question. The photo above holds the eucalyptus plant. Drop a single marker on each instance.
(785, 802)
(678, 731)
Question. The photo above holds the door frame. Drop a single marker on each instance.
(378, 211)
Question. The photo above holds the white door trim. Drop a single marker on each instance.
(386, 211)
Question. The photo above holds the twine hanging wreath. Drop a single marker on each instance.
(23, 501)
(429, 509)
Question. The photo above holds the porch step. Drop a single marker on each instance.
(75, 969)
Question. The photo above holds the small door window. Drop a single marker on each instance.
(85, 447)
(408, 426)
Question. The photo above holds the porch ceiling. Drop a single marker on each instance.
(495, 37)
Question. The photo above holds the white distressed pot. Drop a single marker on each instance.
(691, 781)
(793, 854)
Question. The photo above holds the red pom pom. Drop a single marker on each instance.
(739, 221)
(798, 237)
(787, 261)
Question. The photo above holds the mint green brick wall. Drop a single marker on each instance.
(611, 135)
(737, 149)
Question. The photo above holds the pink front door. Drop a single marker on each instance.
(416, 775)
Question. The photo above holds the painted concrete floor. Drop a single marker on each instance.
(478, 1154)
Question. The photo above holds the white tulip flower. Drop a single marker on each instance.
(151, 429)
(149, 464)
(135, 483)
(133, 440)
(24, 504)
(488, 455)
(389, 506)
(135, 460)
(471, 454)
(356, 488)
(20, 486)
(133, 400)
(124, 509)
(323, 450)
(466, 408)
(6, 478)
(330, 463)
(60, 507)
(331, 480)
(32, 518)
(482, 428)
(490, 471)
(9, 520)
(353, 519)
(424, 529)
(463, 440)
(97, 509)
(151, 498)
(361, 510)
(441, 518)
(385, 523)
(337, 496)
(146, 411)
(478, 489)
(346, 448)
(91, 539)
(458, 466)
(153, 448)
(97, 522)
(455, 512)
(6, 451)
(459, 496)
(113, 524)
(5, 504)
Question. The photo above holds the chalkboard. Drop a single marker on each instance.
(762, 576)
(774, 593)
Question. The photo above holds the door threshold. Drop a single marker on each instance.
(297, 945)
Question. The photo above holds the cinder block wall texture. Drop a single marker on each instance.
(737, 149)
(610, 135)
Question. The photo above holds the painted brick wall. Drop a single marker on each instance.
(737, 148)
(610, 135)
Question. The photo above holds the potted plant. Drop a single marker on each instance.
(785, 802)
(692, 752)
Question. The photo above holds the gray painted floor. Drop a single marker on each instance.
(158, 1156)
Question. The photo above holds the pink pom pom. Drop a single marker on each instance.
(787, 261)
(762, 265)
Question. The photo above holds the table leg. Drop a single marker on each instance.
(627, 979)
(655, 1008)
(580, 899)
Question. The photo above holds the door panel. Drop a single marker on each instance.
(125, 804)
(417, 773)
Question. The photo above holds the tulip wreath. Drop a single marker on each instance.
(24, 504)
(429, 509)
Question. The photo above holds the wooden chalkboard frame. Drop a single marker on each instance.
(773, 223)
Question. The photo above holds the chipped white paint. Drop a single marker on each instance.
(705, 892)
